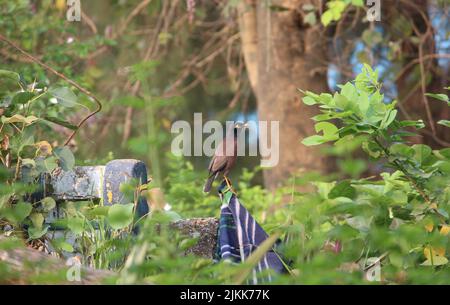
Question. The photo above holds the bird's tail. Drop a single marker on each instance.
(209, 183)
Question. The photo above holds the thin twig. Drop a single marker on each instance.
(383, 256)
(424, 88)
(90, 23)
(417, 60)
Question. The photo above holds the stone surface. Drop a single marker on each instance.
(203, 228)
(118, 172)
(82, 183)
(97, 183)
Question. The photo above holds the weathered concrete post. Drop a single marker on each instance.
(102, 184)
(118, 172)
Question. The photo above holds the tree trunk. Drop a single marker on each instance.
(283, 54)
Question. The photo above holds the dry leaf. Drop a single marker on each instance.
(5, 143)
(429, 227)
(445, 230)
(44, 148)
(428, 251)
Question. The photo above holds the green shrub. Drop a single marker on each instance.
(331, 235)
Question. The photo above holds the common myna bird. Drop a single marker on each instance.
(220, 162)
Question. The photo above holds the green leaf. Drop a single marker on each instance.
(441, 97)
(445, 123)
(443, 213)
(313, 140)
(76, 225)
(66, 158)
(349, 91)
(18, 212)
(61, 244)
(342, 189)
(443, 166)
(46, 165)
(367, 80)
(64, 96)
(372, 149)
(342, 102)
(37, 219)
(323, 117)
(48, 204)
(330, 132)
(326, 18)
(28, 162)
(402, 150)
(421, 152)
(417, 124)
(98, 211)
(445, 153)
(22, 97)
(359, 223)
(60, 122)
(388, 119)
(363, 103)
(120, 215)
(36, 233)
(65, 246)
(308, 100)
(10, 74)
(326, 98)
(398, 197)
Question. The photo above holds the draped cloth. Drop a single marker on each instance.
(240, 235)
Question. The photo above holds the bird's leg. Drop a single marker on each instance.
(228, 182)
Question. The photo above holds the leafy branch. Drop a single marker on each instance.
(361, 109)
(62, 76)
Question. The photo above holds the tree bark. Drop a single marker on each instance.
(289, 55)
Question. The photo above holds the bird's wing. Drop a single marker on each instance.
(220, 159)
(218, 163)
(211, 163)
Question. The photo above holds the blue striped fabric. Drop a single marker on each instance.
(239, 235)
